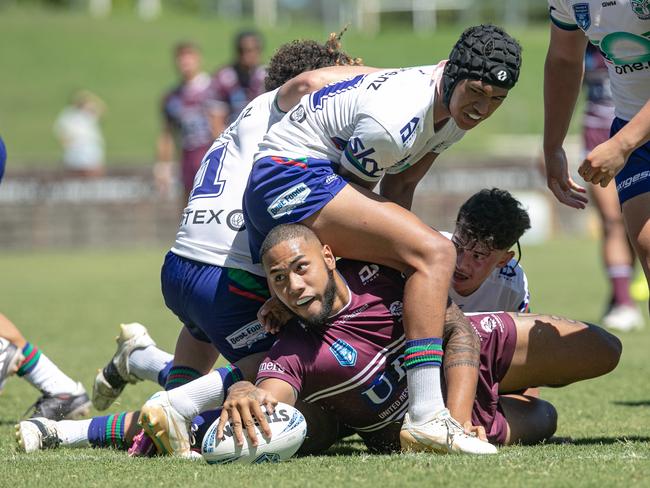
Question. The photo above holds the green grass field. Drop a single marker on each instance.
(48, 54)
(70, 303)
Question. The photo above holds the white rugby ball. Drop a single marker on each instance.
(288, 428)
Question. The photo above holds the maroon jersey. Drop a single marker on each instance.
(234, 91)
(186, 109)
(353, 366)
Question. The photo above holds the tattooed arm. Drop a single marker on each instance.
(461, 361)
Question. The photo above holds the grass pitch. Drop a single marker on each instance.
(69, 305)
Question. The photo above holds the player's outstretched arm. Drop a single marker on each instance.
(562, 80)
(608, 158)
(293, 90)
(461, 362)
(243, 407)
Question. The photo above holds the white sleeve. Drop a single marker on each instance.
(561, 15)
(447, 143)
(370, 150)
(523, 294)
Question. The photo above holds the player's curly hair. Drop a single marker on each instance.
(494, 218)
(297, 56)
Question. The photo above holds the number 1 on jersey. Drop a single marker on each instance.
(207, 182)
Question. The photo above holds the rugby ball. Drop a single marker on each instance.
(288, 428)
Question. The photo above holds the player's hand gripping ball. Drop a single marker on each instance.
(288, 427)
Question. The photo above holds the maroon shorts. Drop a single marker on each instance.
(190, 163)
(498, 335)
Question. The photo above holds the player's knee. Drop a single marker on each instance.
(607, 350)
(437, 251)
(543, 422)
(613, 226)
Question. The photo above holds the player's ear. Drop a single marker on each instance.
(328, 256)
(507, 256)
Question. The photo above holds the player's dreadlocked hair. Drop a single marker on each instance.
(493, 217)
(296, 57)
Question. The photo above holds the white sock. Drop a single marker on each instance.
(202, 394)
(147, 363)
(73, 433)
(48, 378)
(425, 393)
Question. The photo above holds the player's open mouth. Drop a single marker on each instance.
(304, 300)
(458, 276)
(475, 117)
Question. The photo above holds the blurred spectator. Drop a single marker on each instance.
(189, 119)
(77, 128)
(621, 313)
(237, 84)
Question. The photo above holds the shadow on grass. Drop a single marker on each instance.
(589, 441)
(638, 403)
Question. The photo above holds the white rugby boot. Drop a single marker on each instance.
(623, 318)
(36, 434)
(10, 359)
(111, 380)
(168, 429)
(443, 435)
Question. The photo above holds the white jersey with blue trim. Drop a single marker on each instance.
(621, 30)
(212, 225)
(370, 124)
(504, 290)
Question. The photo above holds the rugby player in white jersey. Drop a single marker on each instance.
(393, 123)
(208, 279)
(487, 277)
(620, 30)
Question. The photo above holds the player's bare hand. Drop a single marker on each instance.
(603, 163)
(273, 315)
(560, 182)
(477, 430)
(243, 407)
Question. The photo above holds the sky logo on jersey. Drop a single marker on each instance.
(317, 98)
(358, 155)
(408, 130)
(582, 15)
(289, 200)
(344, 353)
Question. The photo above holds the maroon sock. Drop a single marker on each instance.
(619, 278)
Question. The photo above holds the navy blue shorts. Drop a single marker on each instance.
(217, 305)
(634, 178)
(286, 191)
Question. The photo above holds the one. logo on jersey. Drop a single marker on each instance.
(289, 200)
(368, 273)
(344, 353)
(408, 130)
(235, 220)
(396, 310)
(298, 115)
(247, 335)
(358, 155)
(318, 98)
(641, 8)
(491, 322)
(582, 15)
